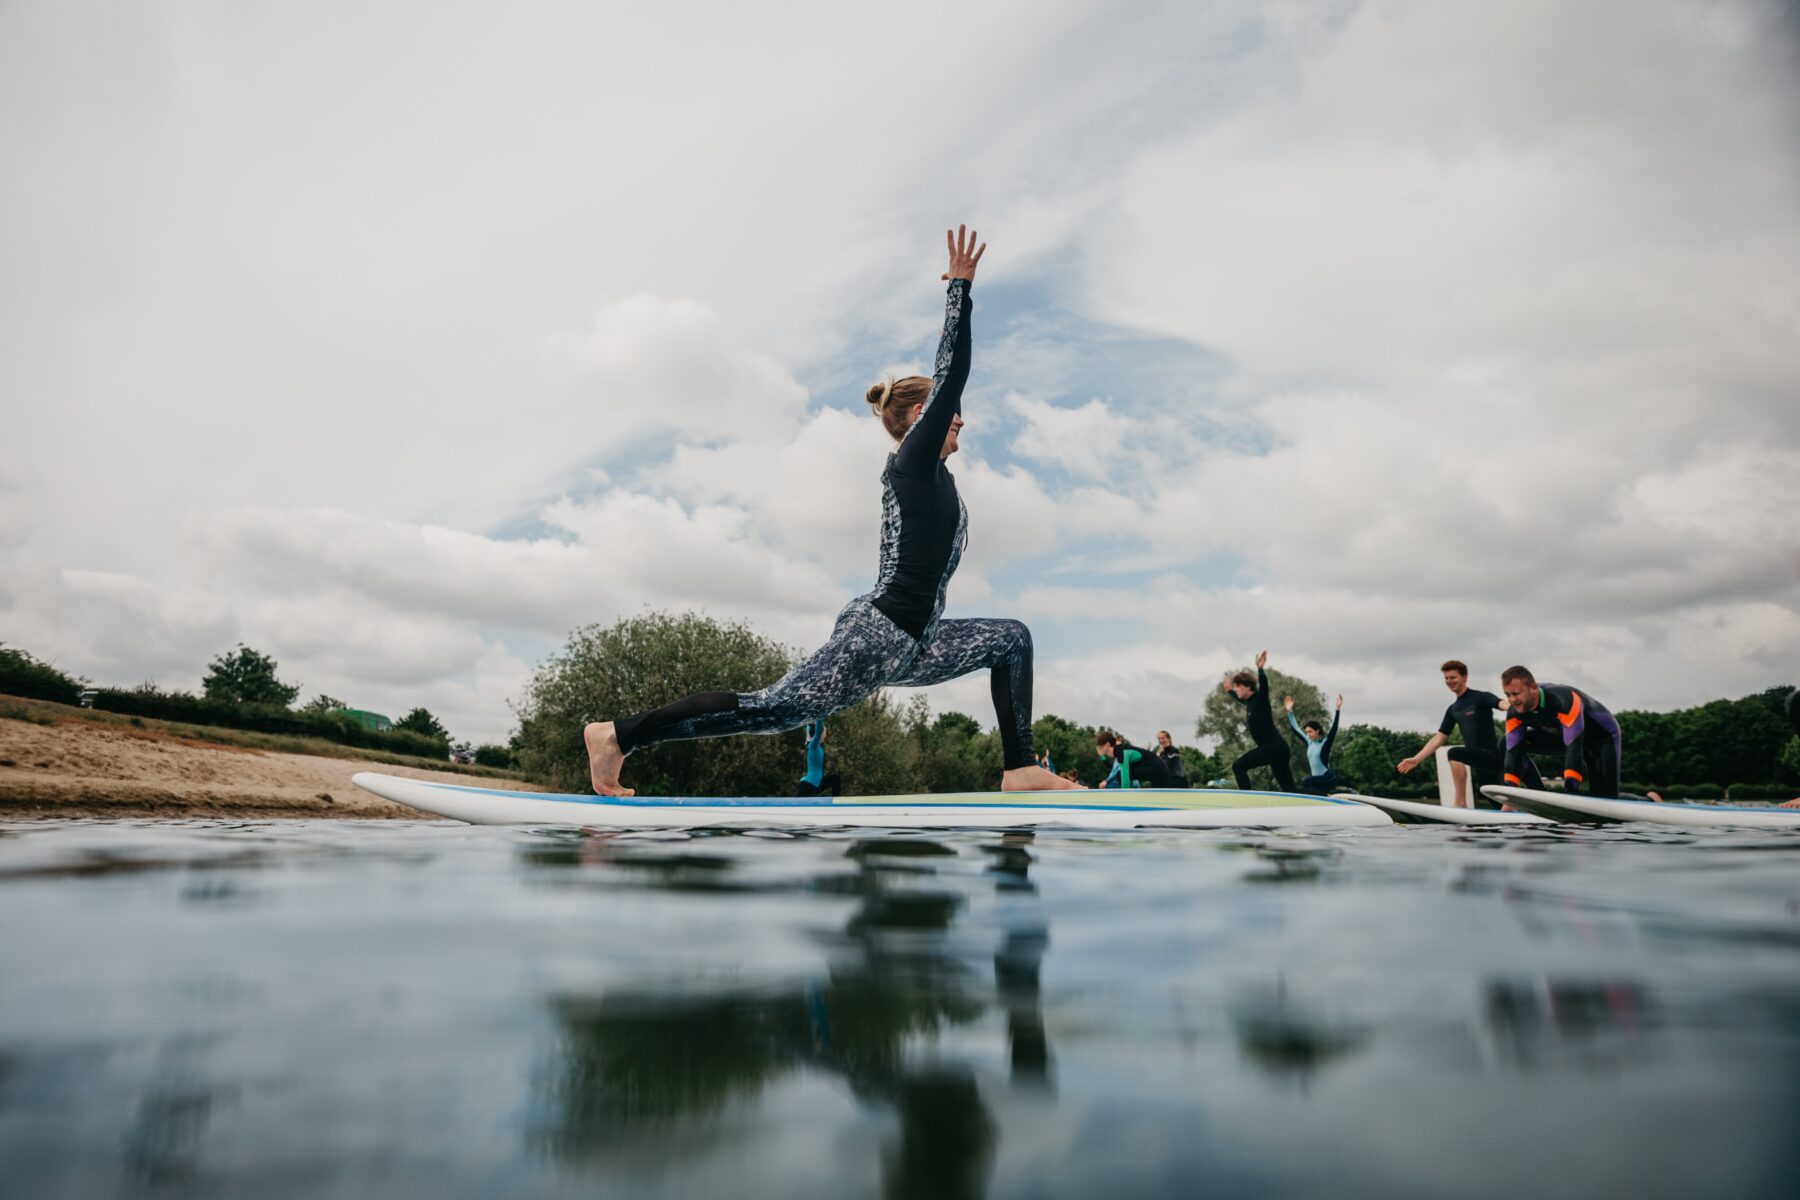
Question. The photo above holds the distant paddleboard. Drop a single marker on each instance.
(1105, 809)
(1592, 810)
(1411, 812)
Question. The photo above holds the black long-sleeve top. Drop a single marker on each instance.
(1260, 717)
(923, 522)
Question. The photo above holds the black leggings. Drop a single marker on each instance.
(1602, 762)
(829, 783)
(1484, 768)
(1321, 785)
(1273, 755)
(867, 652)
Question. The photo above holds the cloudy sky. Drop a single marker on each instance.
(400, 339)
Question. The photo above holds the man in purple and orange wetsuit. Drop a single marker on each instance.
(1555, 716)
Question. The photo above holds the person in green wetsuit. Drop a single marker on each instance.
(1316, 740)
(1131, 767)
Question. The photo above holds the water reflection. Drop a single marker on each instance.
(1289, 1039)
(1560, 1022)
(664, 1062)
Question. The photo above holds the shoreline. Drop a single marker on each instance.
(55, 764)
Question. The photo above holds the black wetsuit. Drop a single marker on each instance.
(893, 636)
(1569, 720)
(1271, 748)
(1473, 713)
(1177, 769)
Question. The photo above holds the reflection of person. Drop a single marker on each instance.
(894, 635)
(1170, 753)
(815, 780)
(1479, 755)
(1555, 716)
(1131, 767)
(665, 1063)
(1317, 743)
(1044, 762)
(1271, 749)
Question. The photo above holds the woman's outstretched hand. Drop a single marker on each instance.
(964, 253)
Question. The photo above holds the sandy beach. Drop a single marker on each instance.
(78, 768)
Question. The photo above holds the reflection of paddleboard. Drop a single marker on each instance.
(1411, 812)
(1114, 809)
(1592, 810)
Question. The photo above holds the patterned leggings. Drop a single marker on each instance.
(867, 651)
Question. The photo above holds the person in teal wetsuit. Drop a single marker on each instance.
(815, 781)
(1316, 740)
(1131, 767)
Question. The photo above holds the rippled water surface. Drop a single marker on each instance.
(364, 1009)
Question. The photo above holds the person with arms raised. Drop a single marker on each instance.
(1271, 749)
(896, 634)
(1316, 740)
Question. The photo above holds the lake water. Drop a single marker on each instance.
(414, 1008)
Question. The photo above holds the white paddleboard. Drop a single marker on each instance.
(1412, 812)
(1593, 810)
(1105, 809)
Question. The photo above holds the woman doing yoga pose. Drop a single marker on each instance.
(895, 635)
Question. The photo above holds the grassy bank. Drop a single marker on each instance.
(44, 712)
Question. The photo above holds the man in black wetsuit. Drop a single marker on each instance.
(1479, 755)
(1553, 716)
(1170, 753)
(1271, 749)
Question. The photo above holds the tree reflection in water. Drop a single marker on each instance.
(648, 1062)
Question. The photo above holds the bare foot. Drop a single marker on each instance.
(1036, 779)
(605, 758)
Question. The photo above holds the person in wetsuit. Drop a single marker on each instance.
(1271, 749)
(816, 781)
(1132, 767)
(895, 635)
(1553, 716)
(1170, 753)
(1316, 740)
(1479, 755)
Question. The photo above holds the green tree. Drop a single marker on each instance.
(420, 720)
(246, 676)
(1789, 762)
(954, 754)
(1224, 720)
(23, 675)
(322, 704)
(645, 661)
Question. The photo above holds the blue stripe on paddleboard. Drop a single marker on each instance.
(829, 802)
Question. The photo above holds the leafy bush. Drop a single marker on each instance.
(492, 755)
(23, 675)
(337, 727)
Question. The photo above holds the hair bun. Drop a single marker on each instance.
(878, 393)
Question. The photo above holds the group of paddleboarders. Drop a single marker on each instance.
(896, 635)
(1552, 718)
